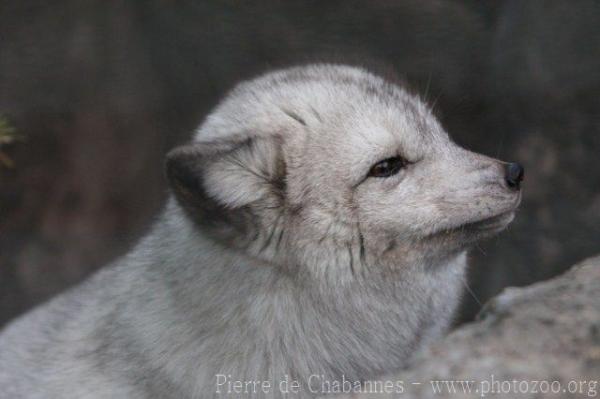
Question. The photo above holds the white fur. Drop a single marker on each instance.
(316, 268)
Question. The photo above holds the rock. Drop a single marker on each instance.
(540, 341)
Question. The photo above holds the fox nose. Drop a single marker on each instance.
(514, 173)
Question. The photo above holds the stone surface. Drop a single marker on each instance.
(548, 332)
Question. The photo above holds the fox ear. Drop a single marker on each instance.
(184, 170)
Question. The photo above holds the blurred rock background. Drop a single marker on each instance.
(101, 90)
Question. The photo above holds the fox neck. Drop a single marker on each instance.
(268, 323)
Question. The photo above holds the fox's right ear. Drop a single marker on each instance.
(184, 170)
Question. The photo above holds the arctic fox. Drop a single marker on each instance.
(317, 231)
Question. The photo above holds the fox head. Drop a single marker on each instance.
(330, 169)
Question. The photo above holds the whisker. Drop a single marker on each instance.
(480, 249)
(470, 291)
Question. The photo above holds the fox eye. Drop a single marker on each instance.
(388, 167)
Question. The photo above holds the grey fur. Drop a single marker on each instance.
(277, 255)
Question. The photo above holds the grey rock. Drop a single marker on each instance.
(544, 337)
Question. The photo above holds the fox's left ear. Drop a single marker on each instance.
(185, 170)
(230, 189)
(183, 167)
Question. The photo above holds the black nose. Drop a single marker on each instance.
(514, 175)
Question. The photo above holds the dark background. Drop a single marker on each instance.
(102, 89)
